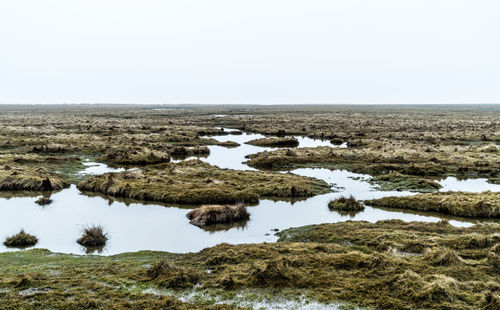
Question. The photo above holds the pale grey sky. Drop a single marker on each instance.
(255, 51)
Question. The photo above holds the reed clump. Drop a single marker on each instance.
(42, 201)
(21, 239)
(346, 204)
(93, 236)
(216, 214)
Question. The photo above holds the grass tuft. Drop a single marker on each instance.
(216, 214)
(93, 236)
(22, 239)
(43, 201)
(346, 204)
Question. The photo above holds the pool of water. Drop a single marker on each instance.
(234, 158)
(134, 226)
(93, 168)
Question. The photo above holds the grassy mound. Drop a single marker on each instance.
(180, 152)
(346, 204)
(275, 142)
(482, 205)
(13, 178)
(134, 156)
(402, 182)
(93, 236)
(406, 159)
(21, 239)
(196, 182)
(214, 214)
(43, 201)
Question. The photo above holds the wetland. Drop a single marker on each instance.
(424, 184)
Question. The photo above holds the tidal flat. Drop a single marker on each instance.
(424, 234)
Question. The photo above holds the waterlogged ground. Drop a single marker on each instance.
(135, 226)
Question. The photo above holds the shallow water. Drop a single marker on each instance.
(136, 226)
(233, 158)
(93, 168)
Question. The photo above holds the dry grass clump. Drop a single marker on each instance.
(93, 236)
(483, 205)
(13, 178)
(275, 142)
(196, 182)
(491, 301)
(441, 256)
(346, 204)
(169, 276)
(51, 148)
(21, 239)
(183, 152)
(215, 214)
(135, 156)
(42, 201)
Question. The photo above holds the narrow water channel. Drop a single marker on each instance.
(135, 226)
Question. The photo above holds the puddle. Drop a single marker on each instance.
(134, 226)
(233, 158)
(94, 168)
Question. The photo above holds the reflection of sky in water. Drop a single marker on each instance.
(138, 226)
(98, 168)
(468, 185)
(233, 158)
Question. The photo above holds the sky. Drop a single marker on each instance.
(250, 52)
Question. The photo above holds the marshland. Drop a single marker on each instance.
(250, 206)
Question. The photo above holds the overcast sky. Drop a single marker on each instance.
(254, 51)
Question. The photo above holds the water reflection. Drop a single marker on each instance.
(135, 226)
(93, 168)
